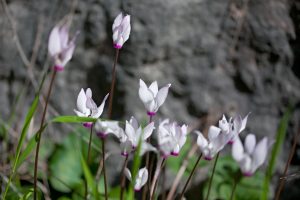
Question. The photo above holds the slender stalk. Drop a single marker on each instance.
(291, 154)
(212, 176)
(104, 171)
(88, 159)
(155, 179)
(112, 86)
(163, 196)
(123, 178)
(237, 178)
(181, 171)
(40, 134)
(147, 188)
(191, 175)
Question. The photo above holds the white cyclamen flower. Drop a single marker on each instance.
(252, 155)
(152, 97)
(171, 137)
(121, 30)
(237, 126)
(133, 131)
(60, 47)
(103, 128)
(215, 142)
(140, 180)
(86, 107)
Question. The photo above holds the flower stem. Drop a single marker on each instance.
(236, 180)
(88, 159)
(291, 154)
(212, 175)
(112, 86)
(104, 171)
(147, 187)
(40, 134)
(155, 179)
(123, 178)
(191, 174)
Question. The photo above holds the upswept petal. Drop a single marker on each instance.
(260, 153)
(141, 179)
(162, 95)
(223, 124)
(130, 132)
(126, 27)
(245, 165)
(238, 150)
(134, 123)
(213, 132)
(101, 107)
(244, 122)
(201, 140)
(250, 143)
(81, 101)
(144, 94)
(67, 54)
(64, 35)
(117, 21)
(154, 88)
(148, 130)
(78, 113)
(128, 174)
(54, 46)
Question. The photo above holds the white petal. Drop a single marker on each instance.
(245, 164)
(101, 107)
(260, 153)
(117, 21)
(244, 122)
(54, 46)
(201, 141)
(148, 130)
(130, 132)
(79, 114)
(237, 150)
(162, 95)
(64, 35)
(237, 124)
(81, 101)
(126, 27)
(141, 178)
(250, 143)
(144, 94)
(146, 147)
(154, 88)
(128, 174)
(134, 123)
(213, 132)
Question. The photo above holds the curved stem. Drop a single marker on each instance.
(88, 158)
(291, 154)
(40, 134)
(237, 179)
(155, 179)
(212, 176)
(233, 189)
(123, 178)
(112, 86)
(191, 175)
(104, 171)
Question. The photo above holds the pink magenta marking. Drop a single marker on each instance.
(101, 135)
(124, 154)
(151, 113)
(248, 174)
(230, 142)
(116, 46)
(58, 68)
(174, 154)
(208, 158)
(87, 124)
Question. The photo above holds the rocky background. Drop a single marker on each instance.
(221, 56)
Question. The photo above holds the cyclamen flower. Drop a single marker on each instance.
(133, 131)
(215, 142)
(140, 180)
(252, 155)
(86, 107)
(60, 48)
(103, 128)
(171, 137)
(121, 30)
(152, 97)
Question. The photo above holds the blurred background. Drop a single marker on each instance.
(221, 56)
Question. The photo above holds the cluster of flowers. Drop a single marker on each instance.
(170, 135)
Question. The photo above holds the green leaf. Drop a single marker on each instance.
(65, 168)
(89, 178)
(72, 119)
(281, 133)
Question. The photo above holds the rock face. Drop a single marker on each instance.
(221, 56)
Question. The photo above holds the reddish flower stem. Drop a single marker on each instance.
(212, 175)
(123, 178)
(40, 134)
